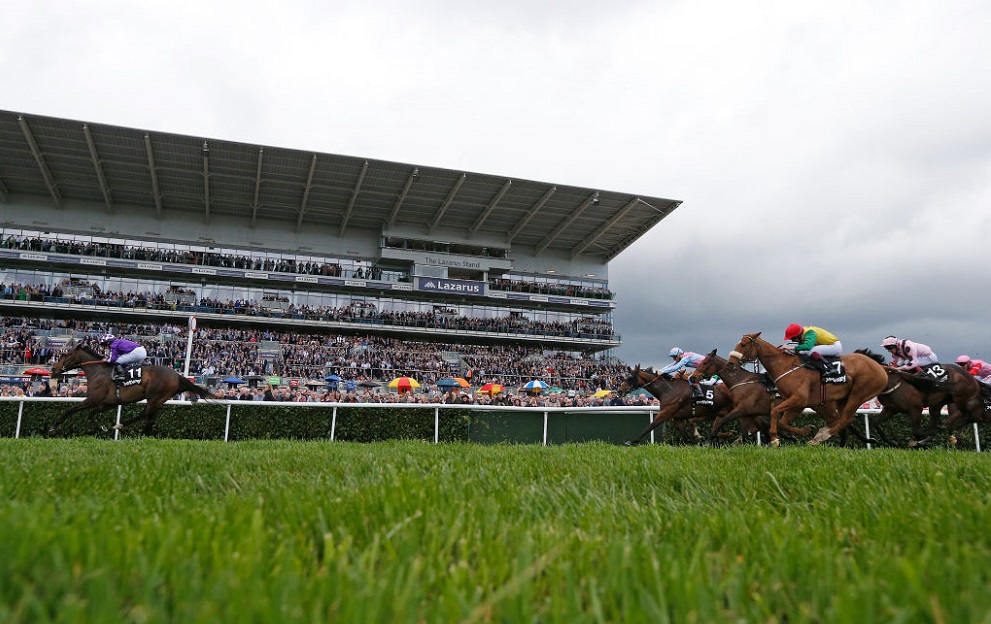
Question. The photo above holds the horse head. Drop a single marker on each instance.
(746, 350)
(75, 358)
(637, 378)
(877, 357)
(707, 368)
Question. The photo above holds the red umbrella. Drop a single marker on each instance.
(37, 371)
(491, 388)
(404, 384)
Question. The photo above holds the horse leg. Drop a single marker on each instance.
(721, 420)
(842, 419)
(884, 416)
(666, 413)
(78, 407)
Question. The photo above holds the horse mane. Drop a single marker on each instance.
(877, 357)
(89, 351)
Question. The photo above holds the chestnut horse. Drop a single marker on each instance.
(675, 397)
(908, 393)
(158, 385)
(751, 394)
(802, 387)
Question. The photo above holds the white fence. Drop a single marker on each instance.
(649, 411)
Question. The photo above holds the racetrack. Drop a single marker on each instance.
(172, 530)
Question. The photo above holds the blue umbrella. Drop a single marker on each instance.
(535, 386)
(448, 383)
(333, 378)
(234, 380)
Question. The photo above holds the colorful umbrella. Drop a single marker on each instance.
(491, 388)
(37, 371)
(535, 386)
(602, 393)
(404, 384)
(452, 382)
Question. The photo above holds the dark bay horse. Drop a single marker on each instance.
(908, 393)
(977, 410)
(751, 394)
(158, 385)
(675, 399)
(802, 387)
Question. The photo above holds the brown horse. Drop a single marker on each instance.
(907, 393)
(751, 394)
(158, 385)
(976, 410)
(675, 397)
(802, 387)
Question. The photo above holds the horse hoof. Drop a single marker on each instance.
(822, 436)
(913, 443)
(630, 443)
(775, 442)
(953, 440)
(118, 426)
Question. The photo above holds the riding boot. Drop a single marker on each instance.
(119, 373)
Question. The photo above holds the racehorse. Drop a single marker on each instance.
(751, 394)
(675, 397)
(802, 387)
(158, 385)
(906, 393)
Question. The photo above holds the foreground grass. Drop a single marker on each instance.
(157, 530)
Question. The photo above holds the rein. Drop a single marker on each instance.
(892, 389)
(787, 372)
(743, 383)
(81, 364)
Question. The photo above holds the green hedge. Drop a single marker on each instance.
(250, 421)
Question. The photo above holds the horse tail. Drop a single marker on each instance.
(187, 386)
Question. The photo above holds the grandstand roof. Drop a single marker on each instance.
(168, 175)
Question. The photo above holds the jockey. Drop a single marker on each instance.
(816, 340)
(682, 360)
(908, 355)
(123, 353)
(978, 368)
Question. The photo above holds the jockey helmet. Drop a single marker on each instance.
(793, 331)
(676, 352)
(963, 360)
(890, 341)
(107, 339)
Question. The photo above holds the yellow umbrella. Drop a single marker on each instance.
(602, 393)
(490, 388)
(404, 384)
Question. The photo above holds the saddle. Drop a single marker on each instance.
(985, 395)
(125, 375)
(703, 393)
(830, 367)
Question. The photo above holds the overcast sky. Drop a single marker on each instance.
(834, 158)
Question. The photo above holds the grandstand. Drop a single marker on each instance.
(105, 224)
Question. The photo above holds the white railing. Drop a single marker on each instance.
(649, 410)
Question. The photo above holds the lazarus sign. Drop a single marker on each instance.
(436, 284)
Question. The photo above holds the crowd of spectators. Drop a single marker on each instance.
(188, 256)
(513, 323)
(550, 288)
(264, 262)
(308, 358)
